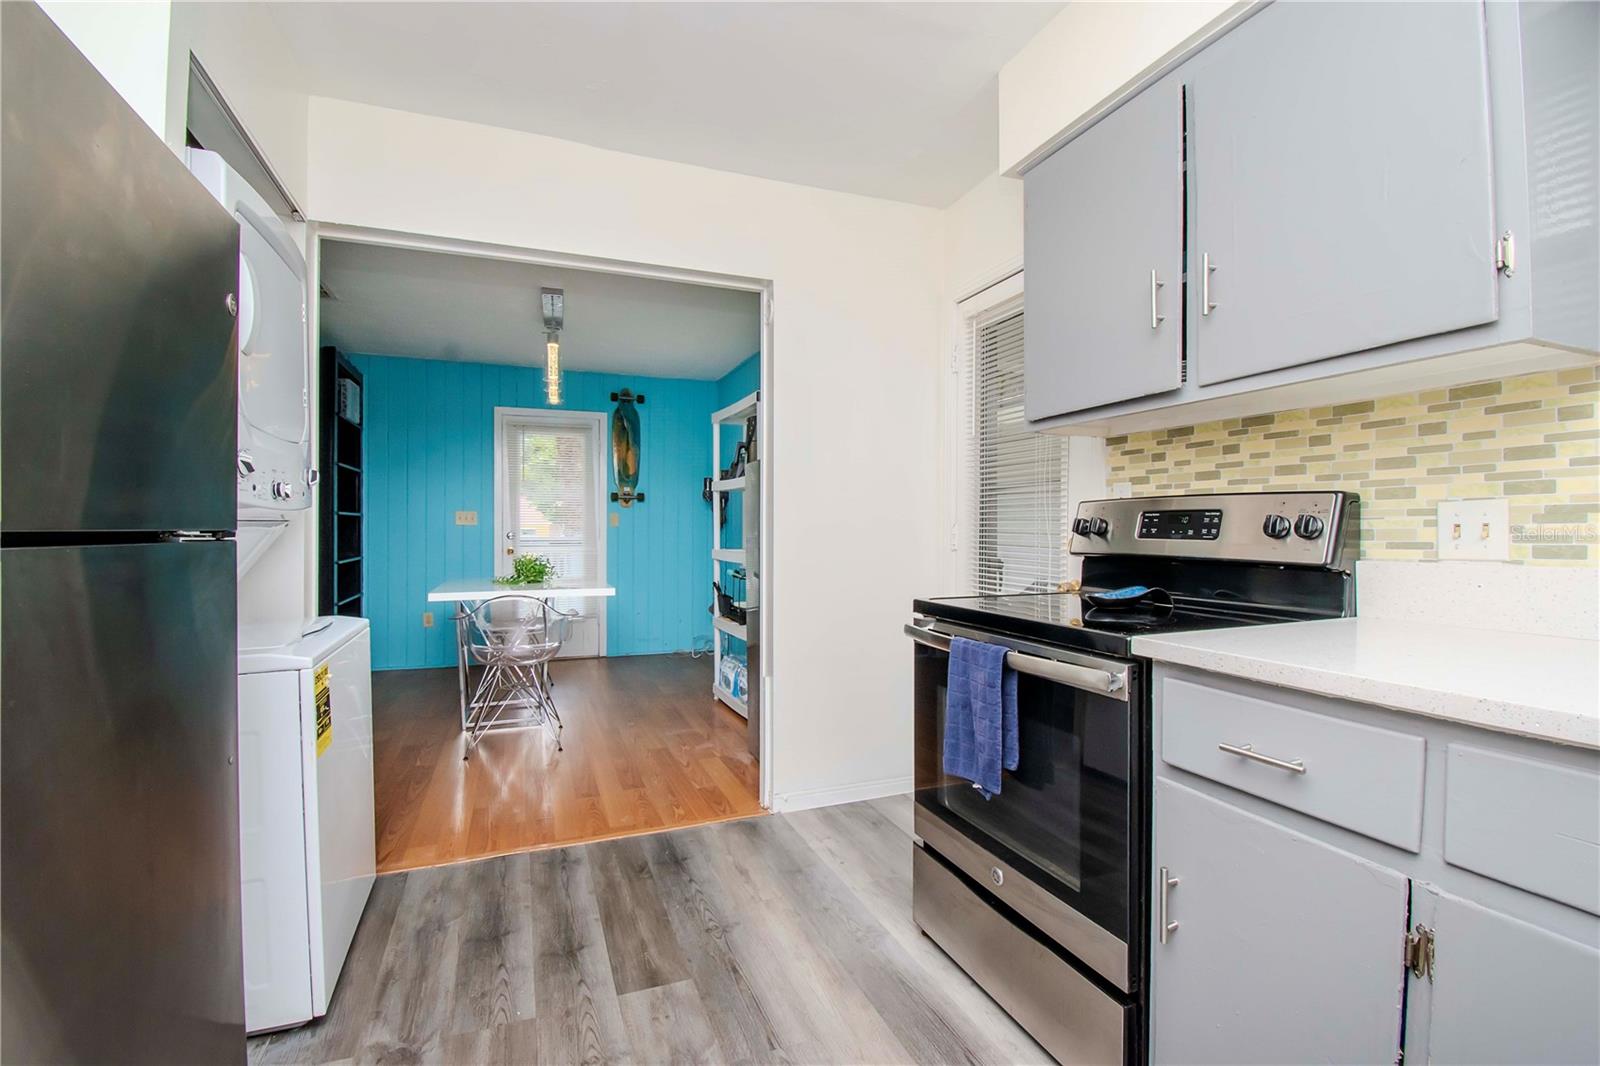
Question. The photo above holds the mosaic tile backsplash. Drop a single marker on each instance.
(1533, 439)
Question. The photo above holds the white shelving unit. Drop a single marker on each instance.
(732, 415)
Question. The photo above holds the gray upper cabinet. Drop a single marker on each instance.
(1351, 171)
(1500, 990)
(1279, 948)
(1341, 183)
(1103, 239)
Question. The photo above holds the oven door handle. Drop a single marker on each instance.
(1105, 682)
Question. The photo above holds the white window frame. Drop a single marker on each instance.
(961, 434)
(592, 422)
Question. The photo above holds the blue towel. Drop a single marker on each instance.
(980, 729)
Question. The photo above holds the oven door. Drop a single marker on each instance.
(1060, 843)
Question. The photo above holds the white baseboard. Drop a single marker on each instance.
(828, 797)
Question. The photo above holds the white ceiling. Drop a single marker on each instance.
(896, 100)
(428, 305)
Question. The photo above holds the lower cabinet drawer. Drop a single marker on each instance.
(1059, 1007)
(1366, 779)
(1524, 822)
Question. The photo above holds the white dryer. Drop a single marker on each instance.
(308, 851)
(274, 451)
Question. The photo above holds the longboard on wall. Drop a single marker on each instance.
(626, 448)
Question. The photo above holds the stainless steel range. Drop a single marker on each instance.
(1040, 892)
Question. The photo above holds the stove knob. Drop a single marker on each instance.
(1276, 526)
(1099, 527)
(281, 490)
(1080, 526)
(1308, 527)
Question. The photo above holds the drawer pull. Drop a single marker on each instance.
(1295, 766)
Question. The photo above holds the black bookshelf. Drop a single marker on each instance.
(340, 566)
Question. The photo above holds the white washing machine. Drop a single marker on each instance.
(308, 853)
(274, 462)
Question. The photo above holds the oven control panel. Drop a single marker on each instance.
(1180, 525)
(1292, 528)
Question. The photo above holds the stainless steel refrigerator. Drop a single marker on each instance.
(119, 831)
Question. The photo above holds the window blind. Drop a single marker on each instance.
(1014, 473)
(550, 472)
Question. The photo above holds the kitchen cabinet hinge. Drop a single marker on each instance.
(1419, 952)
(1505, 254)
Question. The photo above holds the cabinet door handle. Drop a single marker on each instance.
(1167, 884)
(1294, 766)
(1206, 267)
(1156, 318)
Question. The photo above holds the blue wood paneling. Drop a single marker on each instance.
(430, 452)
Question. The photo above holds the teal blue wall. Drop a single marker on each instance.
(739, 382)
(430, 452)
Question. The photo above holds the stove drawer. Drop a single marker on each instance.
(1366, 779)
(1059, 1007)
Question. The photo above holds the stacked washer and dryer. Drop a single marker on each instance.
(307, 851)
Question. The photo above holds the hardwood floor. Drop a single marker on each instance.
(646, 748)
(780, 939)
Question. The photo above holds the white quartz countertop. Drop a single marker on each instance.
(1536, 686)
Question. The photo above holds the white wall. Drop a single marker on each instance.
(142, 48)
(982, 235)
(1088, 54)
(126, 40)
(248, 57)
(852, 416)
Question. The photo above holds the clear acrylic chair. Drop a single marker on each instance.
(513, 638)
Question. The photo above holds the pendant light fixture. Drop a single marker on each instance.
(552, 302)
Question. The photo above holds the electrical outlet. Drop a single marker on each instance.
(616, 519)
(427, 619)
(466, 518)
(1475, 529)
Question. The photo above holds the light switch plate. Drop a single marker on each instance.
(466, 518)
(1475, 529)
(427, 619)
(616, 519)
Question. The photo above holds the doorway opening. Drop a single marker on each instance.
(597, 455)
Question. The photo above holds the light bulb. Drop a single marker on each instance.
(552, 372)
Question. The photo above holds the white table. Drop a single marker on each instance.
(468, 593)
(477, 590)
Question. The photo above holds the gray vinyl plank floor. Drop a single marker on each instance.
(780, 939)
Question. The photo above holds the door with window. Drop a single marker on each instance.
(550, 501)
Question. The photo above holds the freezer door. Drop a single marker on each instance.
(118, 403)
(119, 805)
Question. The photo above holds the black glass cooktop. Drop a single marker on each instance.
(1065, 618)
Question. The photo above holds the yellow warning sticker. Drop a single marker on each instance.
(324, 701)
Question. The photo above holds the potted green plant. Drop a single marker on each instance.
(529, 570)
